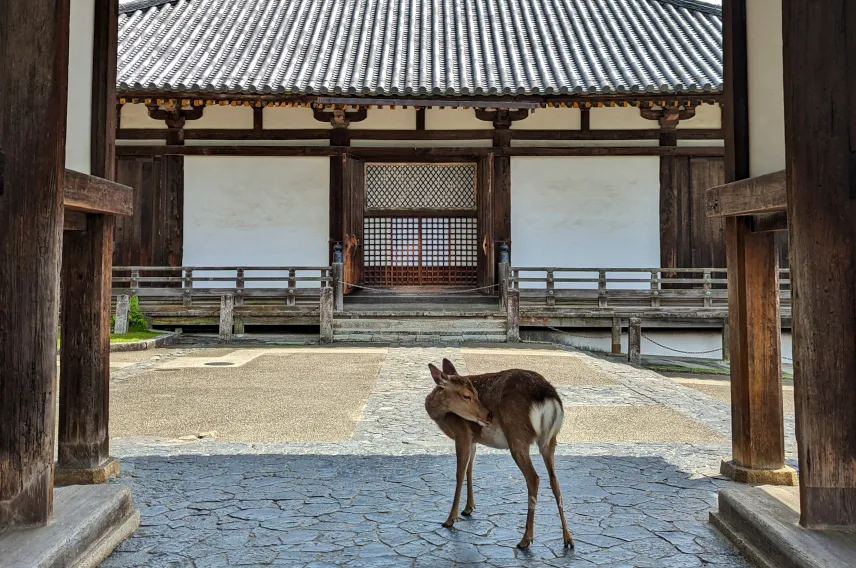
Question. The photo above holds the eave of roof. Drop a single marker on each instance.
(561, 48)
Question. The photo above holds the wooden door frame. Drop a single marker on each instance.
(348, 187)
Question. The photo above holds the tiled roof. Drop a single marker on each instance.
(420, 47)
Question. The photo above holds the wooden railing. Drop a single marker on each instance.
(638, 288)
(234, 294)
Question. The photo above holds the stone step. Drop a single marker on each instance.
(385, 337)
(89, 522)
(420, 325)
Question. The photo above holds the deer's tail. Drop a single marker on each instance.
(547, 418)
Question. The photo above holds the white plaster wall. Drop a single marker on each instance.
(256, 211)
(78, 145)
(137, 116)
(550, 118)
(387, 119)
(707, 116)
(292, 117)
(682, 340)
(619, 118)
(585, 211)
(216, 116)
(325, 141)
(766, 87)
(454, 119)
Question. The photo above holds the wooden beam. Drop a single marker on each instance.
(85, 355)
(74, 221)
(820, 130)
(756, 368)
(34, 93)
(415, 152)
(763, 194)
(97, 195)
(238, 134)
(104, 112)
(770, 222)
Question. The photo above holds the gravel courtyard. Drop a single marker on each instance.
(309, 456)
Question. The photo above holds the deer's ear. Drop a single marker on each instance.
(448, 368)
(439, 377)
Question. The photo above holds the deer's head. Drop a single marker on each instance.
(458, 396)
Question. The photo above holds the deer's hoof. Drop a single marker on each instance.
(524, 544)
(467, 512)
(569, 542)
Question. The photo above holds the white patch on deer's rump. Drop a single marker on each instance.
(494, 437)
(546, 418)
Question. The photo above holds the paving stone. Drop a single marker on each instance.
(378, 499)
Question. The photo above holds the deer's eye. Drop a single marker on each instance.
(467, 397)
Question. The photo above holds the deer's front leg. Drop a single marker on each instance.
(462, 450)
(471, 501)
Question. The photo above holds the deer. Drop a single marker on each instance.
(509, 410)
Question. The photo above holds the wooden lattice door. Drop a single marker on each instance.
(420, 226)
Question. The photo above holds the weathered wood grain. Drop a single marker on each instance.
(820, 129)
(92, 194)
(770, 222)
(513, 316)
(85, 354)
(33, 95)
(763, 194)
(74, 221)
(755, 351)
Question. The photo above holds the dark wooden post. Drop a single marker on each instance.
(753, 299)
(87, 268)
(758, 450)
(33, 97)
(84, 443)
(820, 134)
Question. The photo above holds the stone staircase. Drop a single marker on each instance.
(419, 328)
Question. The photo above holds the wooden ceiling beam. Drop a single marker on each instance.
(90, 194)
(752, 196)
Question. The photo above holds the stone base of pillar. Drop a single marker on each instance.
(88, 475)
(783, 476)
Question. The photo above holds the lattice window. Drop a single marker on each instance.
(420, 251)
(421, 186)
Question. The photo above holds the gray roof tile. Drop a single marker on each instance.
(420, 47)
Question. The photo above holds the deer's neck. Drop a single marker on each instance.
(434, 405)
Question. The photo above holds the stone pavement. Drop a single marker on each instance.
(637, 464)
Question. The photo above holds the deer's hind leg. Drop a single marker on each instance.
(520, 453)
(471, 501)
(548, 452)
(463, 441)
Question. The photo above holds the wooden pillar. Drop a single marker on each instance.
(820, 133)
(227, 306)
(758, 451)
(104, 108)
(33, 97)
(84, 444)
(513, 316)
(87, 267)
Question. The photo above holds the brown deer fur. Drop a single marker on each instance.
(507, 410)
